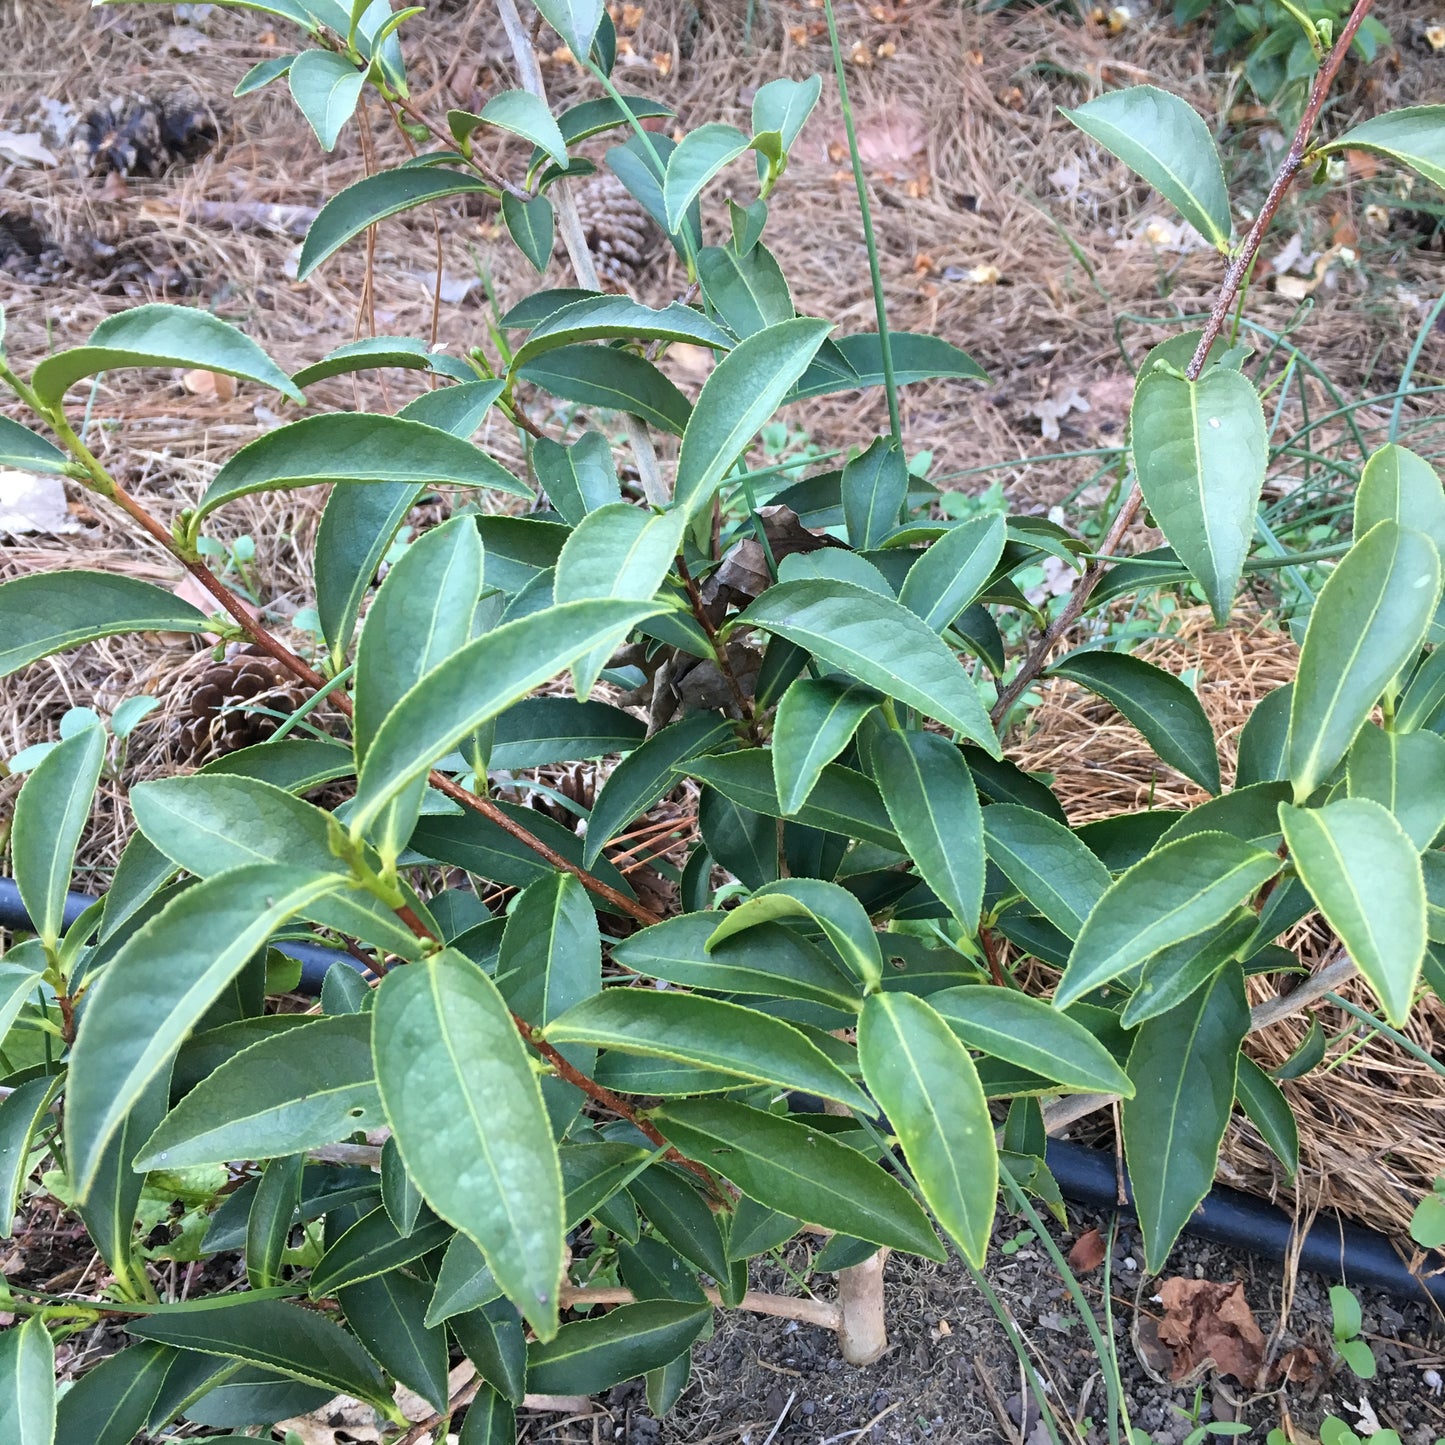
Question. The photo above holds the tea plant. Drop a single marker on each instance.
(585, 1104)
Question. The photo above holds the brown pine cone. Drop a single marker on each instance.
(236, 703)
(623, 238)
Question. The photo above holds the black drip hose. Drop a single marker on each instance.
(1333, 1248)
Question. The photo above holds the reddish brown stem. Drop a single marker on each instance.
(720, 652)
(1234, 278)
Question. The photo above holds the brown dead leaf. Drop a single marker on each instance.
(1300, 1366)
(891, 137)
(1209, 1324)
(210, 385)
(1361, 165)
(1087, 1253)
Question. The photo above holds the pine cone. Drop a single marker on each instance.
(236, 703)
(622, 237)
(142, 135)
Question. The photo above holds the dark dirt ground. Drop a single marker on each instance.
(1001, 229)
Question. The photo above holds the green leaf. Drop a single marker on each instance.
(268, 1225)
(602, 376)
(491, 1419)
(929, 793)
(373, 199)
(1399, 486)
(50, 816)
(1405, 774)
(369, 353)
(784, 106)
(874, 487)
(387, 1314)
(1184, 1066)
(1200, 452)
(1163, 707)
(1367, 624)
(1174, 893)
(1420, 704)
(1046, 862)
(949, 576)
(706, 1033)
(648, 772)
(483, 679)
(578, 478)
(468, 1117)
(589, 1356)
(532, 225)
(353, 447)
(1263, 741)
(21, 448)
(159, 985)
(879, 642)
(1269, 1111)
(1364, 872)
(576, 21)
(21, 1115)
(768, 959)
(748, 291)
(1165, 140)
(523, 114)
(295, 1342)
(1172, 974)
(837, 912)
(1414, 137)
(111, 1403)
(799, 1170)
(1023, 1030)
(161, 335)
(915, 358)
(736, 837)
(27, 1384)
(600, 318)
(913, 1063)
(699, 156)
(815, 721)
(592, 117)
(49, 612)
(742, 393)
(326, 87)
(262, 74)
(307, 1086)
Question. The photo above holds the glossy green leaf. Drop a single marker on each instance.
(1367, 624)
(21, 448)
(1399, 486)
(1364, 872)
(700, 155)
(483, 679)
(1414, 137)
(307, 1086)
(298, 1343)
(576, 21)
(326, 87)
(707, 1033)
(532, 226)
(1165, 140)
(1023, 1030)
(27, 1384)
(464, 1282)
(646, 773)
(768, 959)
(742, 393)
(1184, 1066)
(837, 912)
(736, 837)
(915, 358)
(1172, 974)
(521, 113)
(1263, 743)
(373, 1246)
(600, 318)
(815, 721)
(159, 985)
(1420, 704)
(874, 487)
(953, 571)
(879, 642)
(748, 291)
(262, 74)
(387, 1314)
(399, 1196)
(912, 1063)
(578, 478)
(1405, 774)
(796, 1169)
(50, 816)
(369, 353)
(1269, 1111)
(784, 106)
(490, 1420)
(268, 1225)
(468, 1117)
(593, 1355)
(670, 1199)
(592, 117)
(1200, 452)
(1174, 893)
(21, 1115)
(602, 376)
(1163, 707)
(161, 335)
(111, 1403)
(49, 612)
(492, 1338)
(374, 198)
(1046, 862)
(353, 447)
(929, 793)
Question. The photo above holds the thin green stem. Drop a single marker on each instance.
(1384, 1029)
(875, 271)
(1426, 330)
(316, 698)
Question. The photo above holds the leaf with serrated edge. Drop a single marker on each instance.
(1414, 136)
(815, 720)
(1046, 862)
(1405, 774)
(27, 1384)
(1397, 485)
(948, 577)
(326, 88)
(595, 1354)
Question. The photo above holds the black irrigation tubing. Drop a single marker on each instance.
(1333, 1248)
